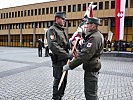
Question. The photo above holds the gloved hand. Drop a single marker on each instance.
(70, 56)
(66, 67)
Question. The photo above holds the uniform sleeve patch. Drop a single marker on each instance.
(52, 37)
(89, 45)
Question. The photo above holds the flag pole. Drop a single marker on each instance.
(64, 73)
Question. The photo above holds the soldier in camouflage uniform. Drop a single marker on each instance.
(90, 58)
(58, 43)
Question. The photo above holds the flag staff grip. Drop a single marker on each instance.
(64, 72)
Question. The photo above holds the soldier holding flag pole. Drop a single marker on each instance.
(90, 58)
(90, 55)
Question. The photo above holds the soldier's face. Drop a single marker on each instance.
(60, 21)
(90, 27)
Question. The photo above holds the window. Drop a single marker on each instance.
(74, 23)
(47, 10)
(15, 14)
(36, 24)
(32, 12)
(105, 22)
(28, 12)
(79, 21)
(0, 27)
(51, 10)
(1, 16)
(44, 25)
(60, 8)
(100, 5)
(69, 8)
(113, 4)
(48, 23)
(106, 4)
(40, 24)
(84, 7)
(95, 3)
(101, 22)
(131, 3)
(79, 7)
(6, 15)
(69, 23)
(9, 14)
(112, 22)
(25, 13)
(55, 9)
(43, 11)
(64, 8)
(18, 13)
(126, 3)
(35, 11)
(29, 25)
(128, 22)
(51, 23)
(21, 13)
(12, 14)
(74, 8)
(39, 11)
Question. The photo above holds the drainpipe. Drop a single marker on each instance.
(21, 35)
(9, 37)
(34, 35)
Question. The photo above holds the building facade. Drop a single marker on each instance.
(24, 25)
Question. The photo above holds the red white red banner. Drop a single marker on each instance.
(119, 19)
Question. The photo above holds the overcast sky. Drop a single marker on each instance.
(13, 3)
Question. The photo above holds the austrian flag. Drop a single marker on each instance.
(119, 19)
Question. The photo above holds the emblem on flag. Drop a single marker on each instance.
(119, 19)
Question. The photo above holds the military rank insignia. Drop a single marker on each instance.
(89, 45)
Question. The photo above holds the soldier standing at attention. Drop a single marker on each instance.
(58, 43)
(90, 58)
(40, 46)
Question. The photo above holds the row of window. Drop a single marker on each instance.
(51, 10)
(71, 23)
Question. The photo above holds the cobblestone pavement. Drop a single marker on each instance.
(25, 76)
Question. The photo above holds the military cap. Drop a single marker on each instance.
(60, 14)
(94, 20)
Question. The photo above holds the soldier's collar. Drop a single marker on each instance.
(59, 26)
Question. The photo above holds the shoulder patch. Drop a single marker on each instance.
(89, 45)
(52, 36)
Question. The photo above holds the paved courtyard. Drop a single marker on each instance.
(25, 76)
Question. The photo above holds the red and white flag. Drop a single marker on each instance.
(82, 26)
(89, 10)
(119, 19)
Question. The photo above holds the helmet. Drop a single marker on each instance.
(91, 20)
(60, 14)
